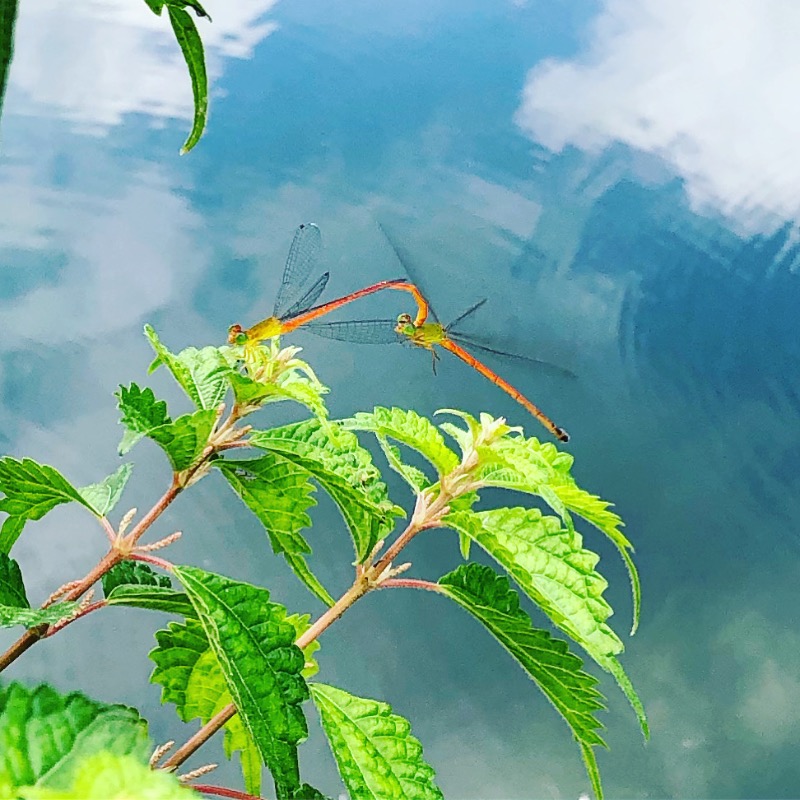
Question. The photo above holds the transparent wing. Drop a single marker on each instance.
(309, 298)
(471, 310)
(302, 256)
(542, 366)
(405, 261)
(359, 331)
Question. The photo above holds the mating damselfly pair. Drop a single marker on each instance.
(294, 308)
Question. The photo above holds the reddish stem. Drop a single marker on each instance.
(82, 613)
(222, 791)
(192, 744)
(409, 583)
(154, 560)
(154, 513)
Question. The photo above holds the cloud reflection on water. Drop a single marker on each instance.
(94, 62)
(706, 86)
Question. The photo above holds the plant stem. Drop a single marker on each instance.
(155, 512)
(367, 579)
(222, 791)
(82, 613)
(199, 739)
(409, 583)
(359, 588)
(109, 560)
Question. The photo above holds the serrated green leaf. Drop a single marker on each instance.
(10, 532)
(152, 598)
(102, 497)
(185, 668)
(547, 661)
(301, 623)
(551, 566)
(141, 413)
(254, 645)
(12, 587)
(202, 374)
(31, 490)
(539, 468)
(238, 739)
(46, 736)
(192, 679)
(11, 616)
(414, 477)
(184, 439)
(376, 754)
(104, 776)
(612, 665)
(345, 471)
(278, 492)
(134, 573)
(297, 384)
(410, 429)
(156, 6)
(307, 792)
(300, 568)
(192, 48)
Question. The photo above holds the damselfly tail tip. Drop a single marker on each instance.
(561, 434)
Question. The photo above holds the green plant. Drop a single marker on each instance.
(186, 35)
(237, 659)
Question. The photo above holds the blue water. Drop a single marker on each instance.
(619, 178)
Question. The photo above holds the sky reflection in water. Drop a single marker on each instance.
(618, 177)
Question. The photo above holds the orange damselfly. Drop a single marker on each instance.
(295, 308)
(428, 336)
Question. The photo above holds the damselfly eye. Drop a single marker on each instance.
(236, 335)
(404, 319)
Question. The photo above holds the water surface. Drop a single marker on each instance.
(619, 178)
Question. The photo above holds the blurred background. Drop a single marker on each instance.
(618, 177)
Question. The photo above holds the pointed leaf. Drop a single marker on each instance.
(11, 616)
(344, 469)
(528, 465)
(141, 413)
(152, 598)
(134, 573)
(102, 497)
(612, 665)
(547, 661)
(301, 623)
(238, 740)
(307, 792)
(278, 492)
(192, 679)
(31, 490)
(192, 48)
(254, 645)
(45, 736)
(12, 587)
(103, 776)
(551, 567)
(10, 532)
(410, 429)
(376, 754)
(414, 477)
(202, 374)
(184, 439)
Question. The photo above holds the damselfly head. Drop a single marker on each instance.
(236, 335)
(405, 325)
